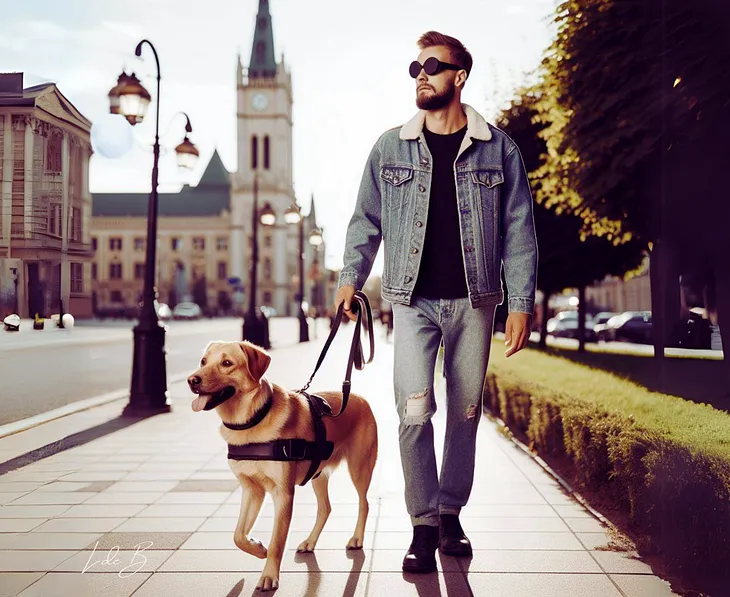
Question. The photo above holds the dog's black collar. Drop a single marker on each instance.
(253, 421)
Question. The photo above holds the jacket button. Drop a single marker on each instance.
(408, 279)
(419, 224)
(424, 162)
(414, 250)
(421, 188)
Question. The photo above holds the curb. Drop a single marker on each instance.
(70, 409)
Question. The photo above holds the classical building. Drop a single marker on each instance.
(205, 232)
(45, 205)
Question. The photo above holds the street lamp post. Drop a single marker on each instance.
(255, 325)
(293, 215)
(148, 391)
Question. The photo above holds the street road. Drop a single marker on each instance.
(43, 370)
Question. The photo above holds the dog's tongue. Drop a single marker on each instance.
(200, 402)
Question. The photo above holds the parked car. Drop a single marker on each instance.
(631, 326)
(565, 325)
(600, 323)
(186, 311)
(692, 331)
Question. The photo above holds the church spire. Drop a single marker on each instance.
(263, 61)
(312, 215)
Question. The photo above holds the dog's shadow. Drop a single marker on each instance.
(315, 573)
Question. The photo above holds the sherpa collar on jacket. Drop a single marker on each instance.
(476, 126)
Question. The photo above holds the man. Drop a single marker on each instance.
(448, 195)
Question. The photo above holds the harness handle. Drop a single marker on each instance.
(360, 305)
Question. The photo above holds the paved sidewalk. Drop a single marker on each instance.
(165, 481)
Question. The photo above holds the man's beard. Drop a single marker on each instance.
(436, 101)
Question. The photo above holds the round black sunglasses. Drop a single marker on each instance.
(432, 66)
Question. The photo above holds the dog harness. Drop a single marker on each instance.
(294, 449)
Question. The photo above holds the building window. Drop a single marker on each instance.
(199, 243)
(76, 224)
(94, 271)
(266, 152)
(139, 243)
(176, 244)
(77, 277)
(267, 298)
(138, 271)
(254, 152)
(115, 271)
(221, 243)
(222, 270)
(267, 240)
(94, 243)
(115, 243)
(53, 154)
(267, 268)
(54, 219)
(116, 296)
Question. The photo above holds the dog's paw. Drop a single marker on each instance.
(268, 582)
(355, 542)
(252, 546)
(306, 545)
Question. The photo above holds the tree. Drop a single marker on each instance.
(636, 99)
(567, 259)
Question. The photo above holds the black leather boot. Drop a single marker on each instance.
(421, 556)
(453, 541)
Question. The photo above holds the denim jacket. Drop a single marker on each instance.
(495, 215)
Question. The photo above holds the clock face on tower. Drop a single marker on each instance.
(259, 101)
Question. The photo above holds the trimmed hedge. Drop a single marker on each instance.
(663, 461)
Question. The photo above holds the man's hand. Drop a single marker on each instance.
(345, 293)
(517, 332)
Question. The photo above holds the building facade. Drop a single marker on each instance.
(205, 232)
(45, 204)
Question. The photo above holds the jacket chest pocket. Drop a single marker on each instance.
(397, 183)
(487, 186)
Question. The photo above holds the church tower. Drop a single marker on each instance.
(264, 117)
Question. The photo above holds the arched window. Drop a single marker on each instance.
(267, 159)
(254, 152)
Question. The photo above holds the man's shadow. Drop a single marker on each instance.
(428, 585)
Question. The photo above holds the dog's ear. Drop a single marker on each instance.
(258, 359)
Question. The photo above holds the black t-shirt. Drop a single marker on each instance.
(441, 273)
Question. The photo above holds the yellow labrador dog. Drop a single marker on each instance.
(231, 375)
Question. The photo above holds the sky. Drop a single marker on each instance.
(349, 64)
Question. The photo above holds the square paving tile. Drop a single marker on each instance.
(334, 523)
(95, 476)
(79, 525)
(642, 585)
(18, 486)
(220, 525)
(142, 486)
(121, 497)
(212, 560)
(38, 498)
(194, 497)
(544, 585)
(32, 561)
(506, 510)
(15, 582)
(620, 563)
(61, 486)
(161, 525)
(63, 584)
(327, 561)
(87, 510)
(531, 561)
(19, 525)
(57, 541)
(177, 510)
(163, 475)
(584, 525)
(7, 498)
(534, 525)
(292, 584)
(121, 562)
(134, 540)
(481, 540)
(436, 584)
(46, 511)
(573, 511)
(593, 540)
(207, 486)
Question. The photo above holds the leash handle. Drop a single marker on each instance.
(361, 306)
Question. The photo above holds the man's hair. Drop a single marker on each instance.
(459, 54)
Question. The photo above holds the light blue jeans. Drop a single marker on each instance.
(418, 331)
